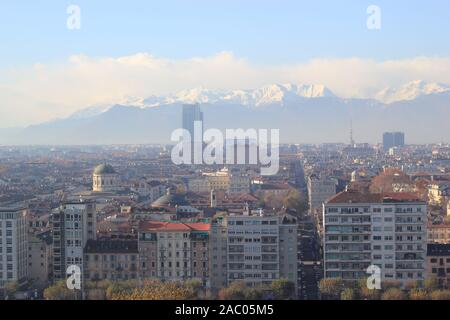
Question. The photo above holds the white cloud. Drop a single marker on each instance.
(47, 91)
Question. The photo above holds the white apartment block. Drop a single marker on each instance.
(386, 230)
(13, 245)
(261, 248)
(319, 190)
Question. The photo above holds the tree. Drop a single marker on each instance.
(393, 294)
(196, 288)
(283, 289)
(348, 294)
(440, 295)
(418, 294)
(295, 201)
(154, 290)
(59, 291)
(388, 284)
(366, 293)
(331, 288)
(235, 291)
(11, 288)
(411, 285)
(431, 284)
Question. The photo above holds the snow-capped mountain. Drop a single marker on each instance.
(299, 111)
(266, 95)
(411, 91)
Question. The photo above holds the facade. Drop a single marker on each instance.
(192, 113)
(386, 230)
(13, 246)
(438, 262)
(105, 179)
(261, 248)
(40, 258)
(174, 251)
(73, 224)
(393, 139)
(222, 180)
(218, 252)
(439, 193)
(111, 259)
(319, 190)
(439, 233)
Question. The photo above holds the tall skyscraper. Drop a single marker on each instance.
(191, 113)
(13, 246)
(393, 139)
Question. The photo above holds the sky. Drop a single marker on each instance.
(144, 47)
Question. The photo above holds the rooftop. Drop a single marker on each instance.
(108, 246)
(361, 197)
(173, 226)
(437, 249)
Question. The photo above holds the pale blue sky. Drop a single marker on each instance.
(262, 31)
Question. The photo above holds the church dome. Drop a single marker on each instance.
(104, 169)
(170, 200)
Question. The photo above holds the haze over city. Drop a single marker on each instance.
(235, 153)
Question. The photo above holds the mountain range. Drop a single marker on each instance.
(303, 113)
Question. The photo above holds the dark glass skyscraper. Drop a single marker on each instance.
(191, 113)
(393, 139)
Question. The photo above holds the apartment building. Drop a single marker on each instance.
(320, 189)
(439, 233)
(13, 245)
(40, 258)
(174, 251)
(218, 252)
(73, 224)
(438, 262)
(261, 248)
(386, 230)
(222, 180)
(111, 259)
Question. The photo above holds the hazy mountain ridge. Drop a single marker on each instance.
(302, 113)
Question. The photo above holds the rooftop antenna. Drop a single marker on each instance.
(352, 142)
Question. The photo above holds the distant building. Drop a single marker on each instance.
(190, 114)
(222, 180)
(439, 233)
(320, 189)
(393, 139)
(386, 230)
(105, 179)
(13, 246)
(73, 224)
(439, 192)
